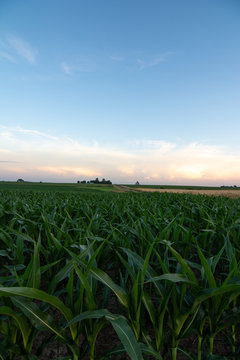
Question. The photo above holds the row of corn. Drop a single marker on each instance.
(163, 270)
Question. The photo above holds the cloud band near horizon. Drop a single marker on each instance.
(38, 156)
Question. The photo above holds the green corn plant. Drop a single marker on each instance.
(234, 270)
(216, 299)
(85, 299)
(10, 328)
(31, 278)
(133, 299)
(218, 308)
(88, 276)
(138, 300)
(16, 323)
(136, 287)
(121, 327)
(79, 223)
(31, 310)
(176, 307)
(121, 294)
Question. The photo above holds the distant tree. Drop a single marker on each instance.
(78, 182)
(96, 181)
(20, 180)
(137, 183)
(83, 182)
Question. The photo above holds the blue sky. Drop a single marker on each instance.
(122, 89)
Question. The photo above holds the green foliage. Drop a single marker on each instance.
(157, 267)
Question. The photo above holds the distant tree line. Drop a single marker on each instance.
(96, 181)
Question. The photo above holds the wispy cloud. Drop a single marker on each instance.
(66, 68)
(157, 145)
(8, 161)
(43, 156)
(79, 65)
(22, 48)
(90, 63)
(143, 64)
(35, 133)
(116, 57)
(4, 55)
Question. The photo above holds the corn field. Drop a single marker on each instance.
(158, 273)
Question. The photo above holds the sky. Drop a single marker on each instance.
(126, 90)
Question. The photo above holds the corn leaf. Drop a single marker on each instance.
(121, 327)
(20, 320)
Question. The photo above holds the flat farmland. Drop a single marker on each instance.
(95, 275)
(227, 193)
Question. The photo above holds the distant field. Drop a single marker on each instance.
(233, 192)
(228, 193)
(185, 187)
(61, 187)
